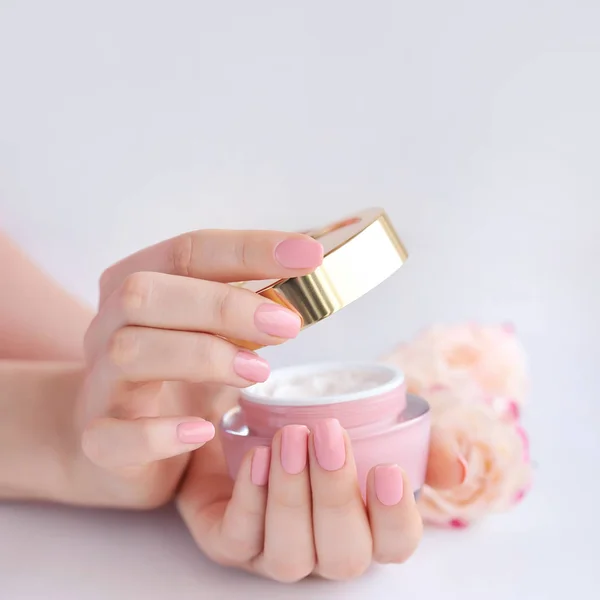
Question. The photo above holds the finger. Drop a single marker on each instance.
(179, 303)
(140, 354)
(203, 498)
(395, 521)
(113, 443)
(288, 553)
(235, 537)
(446, 467)
(243, 526)
(224, 256)
(341, 527)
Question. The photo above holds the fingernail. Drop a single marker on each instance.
(251, 367)
(259, 469)
(276, 320)
(464, 466)
(388, 484)
(195, 432)
(299, 253)
(330, 447)
(294, 448)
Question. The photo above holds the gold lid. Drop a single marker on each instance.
(360, 252)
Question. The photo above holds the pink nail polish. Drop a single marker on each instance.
(330, 447)
(294, 448)
(259, 469)
(195, 432)
(389, 485)
(251, 367)
(278, 321)
(299, 253)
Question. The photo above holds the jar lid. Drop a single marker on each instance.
(360, 252)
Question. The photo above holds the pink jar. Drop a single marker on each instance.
(385, 425)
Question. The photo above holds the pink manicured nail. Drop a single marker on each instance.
(294, 448)
(259, 469)
(195, 432)
(276, 320)
(388, 484)
(330, 447)
(251, 367)
(299, 253)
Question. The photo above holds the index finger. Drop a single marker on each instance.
(221, 255)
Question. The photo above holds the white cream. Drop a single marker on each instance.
(324, 383)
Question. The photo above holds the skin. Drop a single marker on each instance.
(92, 406)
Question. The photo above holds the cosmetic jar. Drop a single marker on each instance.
(385, 425)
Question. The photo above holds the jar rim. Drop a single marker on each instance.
(392, 378)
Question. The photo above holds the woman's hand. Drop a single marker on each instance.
(165, 317)
(296, 509)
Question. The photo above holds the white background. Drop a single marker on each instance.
(475, 124)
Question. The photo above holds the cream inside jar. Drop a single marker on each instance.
(385, 425)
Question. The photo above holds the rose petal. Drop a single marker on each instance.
(458, 524)
(525, 441)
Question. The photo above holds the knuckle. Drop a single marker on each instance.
(242, 253)
(285, 571)
(215, 357)
(182, 252)
(287, 497)
(340, 500)
(123, 347)
(207, 352)
(223, 307)
(346, 568)
(135, 294)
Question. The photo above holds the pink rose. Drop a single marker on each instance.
(475, 362)
(497, 456)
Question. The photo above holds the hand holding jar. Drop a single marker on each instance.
(135, 427)
(314, 500)
(162, 354)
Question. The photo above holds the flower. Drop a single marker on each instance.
(475, 362)
(497, 456)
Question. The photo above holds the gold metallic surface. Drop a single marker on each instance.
(360, 252)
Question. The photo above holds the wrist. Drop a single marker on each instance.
(38, 442)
